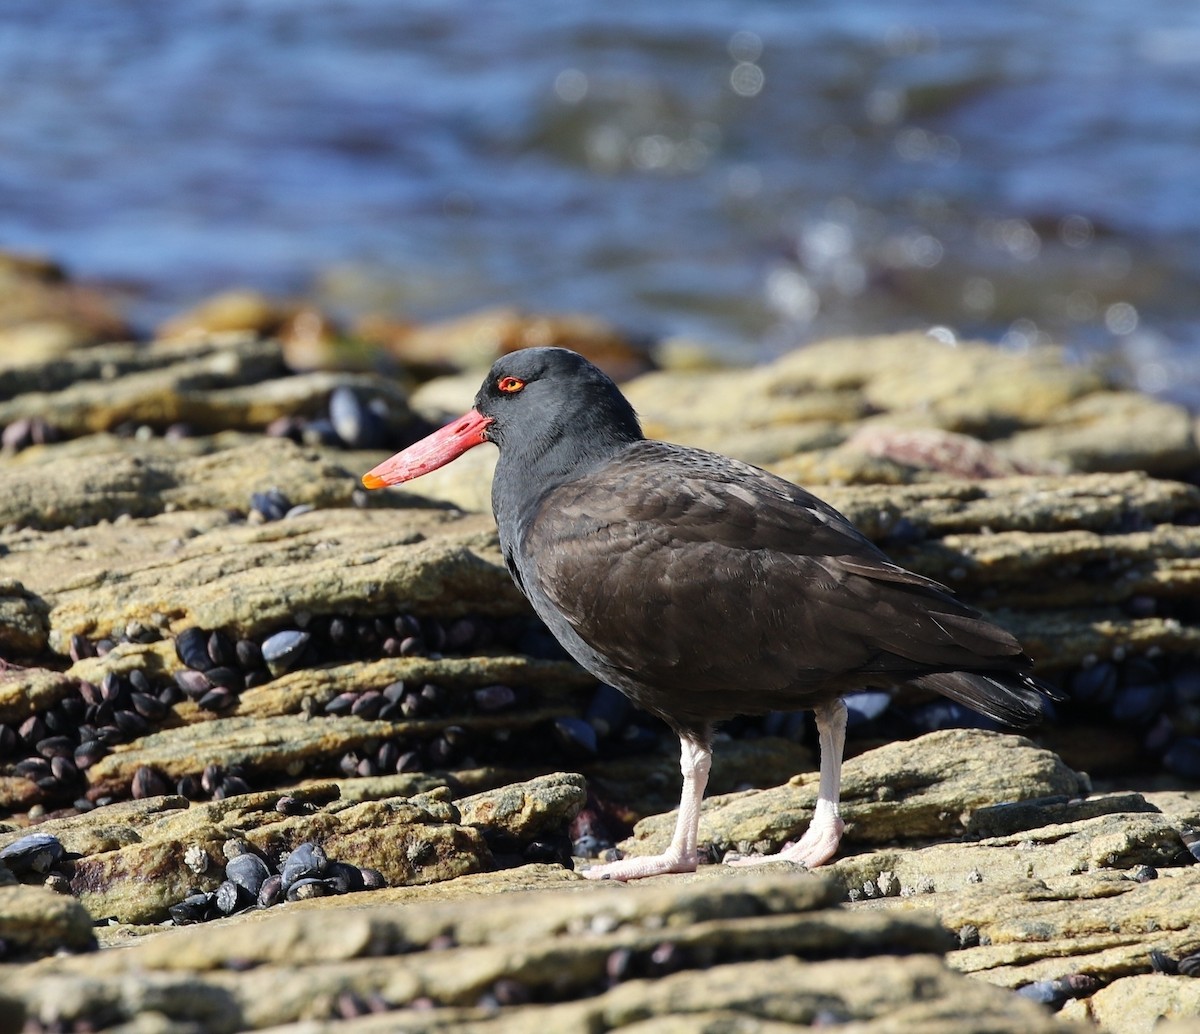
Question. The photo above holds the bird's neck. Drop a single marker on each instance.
(525, 472)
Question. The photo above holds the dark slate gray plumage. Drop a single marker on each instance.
(703, 587)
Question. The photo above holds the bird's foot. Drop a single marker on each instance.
(638, 868)
(819, 844)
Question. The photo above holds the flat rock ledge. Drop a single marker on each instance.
(972, 859)
(693, 954)
(180, 510)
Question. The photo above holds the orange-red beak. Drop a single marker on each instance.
(429, 453)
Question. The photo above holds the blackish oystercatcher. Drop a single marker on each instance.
(703, 587)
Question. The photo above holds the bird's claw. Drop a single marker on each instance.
(819, 844)
(639, 868)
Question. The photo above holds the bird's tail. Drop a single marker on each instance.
(1010, 698)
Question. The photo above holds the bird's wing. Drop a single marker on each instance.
(691, 573)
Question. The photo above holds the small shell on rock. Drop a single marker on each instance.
(230, 897)
(32, 729)
(1044, 992)
(113, 689)
(373, 879)
(231, 786)
(308, 887)
(222, 650)
(32, 768)
(57, 883)
(37, 852)
(218, 699)
(356, 423)
(308, 861)
(367, 706)
(249, 654)
(226, 678)
(234, 847)
(1189, 965)
(196, 858)
(55, 747)
(588, 846)
(508, 991)
(550, 852)
(409, 761)
(63, 769)
(284, 650)
(192, 909)
(387, 756)
(272, 505)
(667, 957)
(271, 891)
(619, 966)
(70, 712)
(344, 878)
(211, 777)
(89, 752)
(1056, 992)
(131, 723)
(189, 787)
(149, 782)
(193, 683)
(409, 647)
(444, 750)
(136, 632)
(490, 699)
(191, 647)
(1161, 962)
(341, 704)
(887, 884)
(149, 707)
(80, 647)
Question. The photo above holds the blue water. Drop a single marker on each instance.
(749, 173)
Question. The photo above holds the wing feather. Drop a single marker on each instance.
(645, 558)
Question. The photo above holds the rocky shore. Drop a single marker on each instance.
(277, 753)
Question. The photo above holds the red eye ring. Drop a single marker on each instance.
(510, 385)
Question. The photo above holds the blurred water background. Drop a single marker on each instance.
(749, 173)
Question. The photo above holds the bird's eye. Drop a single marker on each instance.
(510, 385)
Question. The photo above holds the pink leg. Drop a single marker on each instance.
(681, 856)
(821, 839)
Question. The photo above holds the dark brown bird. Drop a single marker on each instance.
(703, 587)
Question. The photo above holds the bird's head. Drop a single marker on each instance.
(544, 407)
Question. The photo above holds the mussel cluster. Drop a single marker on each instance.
(251, 881)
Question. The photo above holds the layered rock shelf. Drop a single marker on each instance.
(216, 644)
